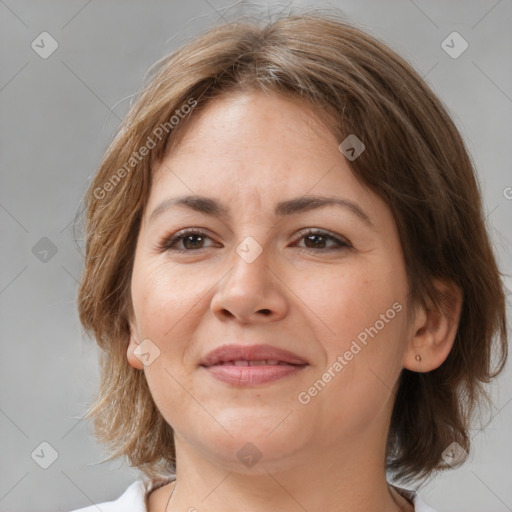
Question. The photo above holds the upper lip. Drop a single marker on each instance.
(226, 353)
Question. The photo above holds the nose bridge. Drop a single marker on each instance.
(254, 231)
(250, 263)
(249, 287)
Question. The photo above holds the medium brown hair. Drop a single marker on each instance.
(415, 160)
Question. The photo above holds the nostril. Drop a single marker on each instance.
(265, 311)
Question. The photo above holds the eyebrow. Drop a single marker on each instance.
(212, 207)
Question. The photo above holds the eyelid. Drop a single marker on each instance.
(341, 241)
(167, 242)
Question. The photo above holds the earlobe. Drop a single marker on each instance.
(133, 360)
(434, 330)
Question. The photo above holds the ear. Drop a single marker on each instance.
(433, 331)
(133, 360)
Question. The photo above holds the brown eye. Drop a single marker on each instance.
(193, 241)
(318, 240)
(185, 241)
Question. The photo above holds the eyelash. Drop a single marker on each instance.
(168, 243)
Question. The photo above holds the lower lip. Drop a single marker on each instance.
(252, 375)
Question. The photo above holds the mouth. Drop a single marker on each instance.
(242, 365)
(244, 362)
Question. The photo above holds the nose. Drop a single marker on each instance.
(250, 292)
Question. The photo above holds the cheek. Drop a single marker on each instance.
(349, 302)
(162, 296)
(364, 308)
(164, 301)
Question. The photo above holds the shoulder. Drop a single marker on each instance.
(419, 506)
(413, 497)
(132, 500)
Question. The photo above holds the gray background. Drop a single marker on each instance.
(58, 116)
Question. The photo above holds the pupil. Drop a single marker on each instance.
(188, 238)
(311, 237)
(315, 239)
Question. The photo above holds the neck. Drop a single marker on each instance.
(345, 483)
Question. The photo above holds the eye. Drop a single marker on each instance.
(316, 239)
(186, 240)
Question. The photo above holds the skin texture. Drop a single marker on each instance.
(313, 297)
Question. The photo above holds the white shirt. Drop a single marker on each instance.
(133, 500)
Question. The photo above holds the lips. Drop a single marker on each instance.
(253, 355)
(255, 365)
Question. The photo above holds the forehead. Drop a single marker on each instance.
(231, 110)
(256, 148)
(269, 134)
(260, 158)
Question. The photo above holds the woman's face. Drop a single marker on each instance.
(252, 275)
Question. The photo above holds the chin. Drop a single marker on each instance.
(256, 445)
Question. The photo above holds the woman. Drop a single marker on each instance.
(290, 277)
